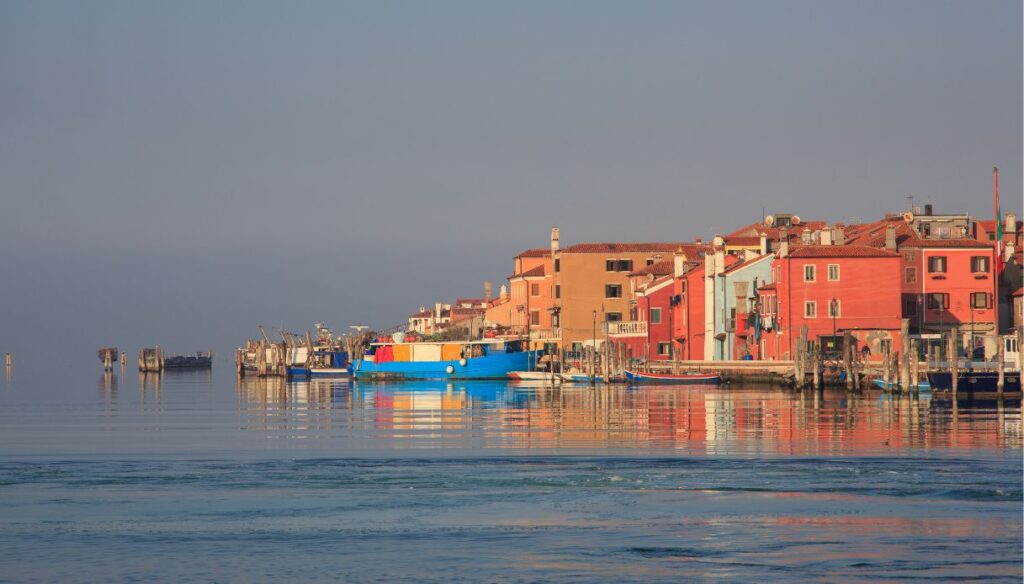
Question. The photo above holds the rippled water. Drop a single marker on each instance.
(199, 477)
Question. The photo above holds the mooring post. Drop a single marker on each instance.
(904, 363)
(815, 355)
(954, 357)
(7, 360)
(848, 359)
(1001, 364)
(914, 366)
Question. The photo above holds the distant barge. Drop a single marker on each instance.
(201, 360)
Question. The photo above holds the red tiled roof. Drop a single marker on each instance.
(770, 286)
(535, 253)
(421, 314)
(841, 251)
(535, 272)
(970, 243)
(473, 301)
(662, 268)
(743, 264)
(1018, 292)
(746, 240)
(625, 247)
(773, 232)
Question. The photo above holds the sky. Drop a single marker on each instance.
(175, 173)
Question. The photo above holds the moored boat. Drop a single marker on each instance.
(493, 359)
(969, 380)
(669, 378)
(894, 385)
(534, 376)
(201, 360)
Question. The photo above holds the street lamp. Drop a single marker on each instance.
(833, 308)
(593, 354)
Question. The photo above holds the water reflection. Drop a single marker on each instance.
(699, 420)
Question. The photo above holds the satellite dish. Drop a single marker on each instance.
(795, 220)
(908, 217)
(769, 220)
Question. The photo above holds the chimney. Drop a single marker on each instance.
(825, 237)
(503, 292)
(928, 210)
(487, 292)
(678, 263)
(1010, 249)
(839, 236)
(437, 310)
(783, 242)
(554, 241)
(764, 244)
(719, 244)
(890, 237)
(1010, 224)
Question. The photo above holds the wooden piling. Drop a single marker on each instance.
(914, 366)
(886, 368)
(904, 355)
(848, 360)
(953, 356)
(7, 360)
(1001, 364)
(815, 360)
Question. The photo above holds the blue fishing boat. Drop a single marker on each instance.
(318, 363)
(894, 385)
(451, 360)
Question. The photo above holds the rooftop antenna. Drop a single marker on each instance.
(910, 202)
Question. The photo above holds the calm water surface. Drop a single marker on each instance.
(197, 477)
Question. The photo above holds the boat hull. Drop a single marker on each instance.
(491, 366)
(685, 379)
(893, 385)
(975, 381)
(532, 376)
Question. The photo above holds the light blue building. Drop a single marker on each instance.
(733, 289)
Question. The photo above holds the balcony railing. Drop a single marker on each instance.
(549, 334)
(627, 328)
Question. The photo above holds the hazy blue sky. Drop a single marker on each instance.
(176, 172)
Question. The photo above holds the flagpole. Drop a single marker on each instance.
(997, 255)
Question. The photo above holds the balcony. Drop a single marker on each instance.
(627, 328)
(549, 334)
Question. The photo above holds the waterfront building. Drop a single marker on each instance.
(735, 291)
(832, 290)
(648, 330)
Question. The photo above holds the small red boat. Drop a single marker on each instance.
(668, 378)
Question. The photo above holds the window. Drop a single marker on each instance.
(649, 262)
(909, 306)
(613, 316)
(613, 291)
(938, 301)
(910, 275)
(980, 299)
(535, 317)
(810, 309)
(809, 273)
(558, 264)
(885, 346)
(618, 265)
(833, 272)
(979, 264)
(937, 265)
(834, 308)
(731, 325)
(534, 289)
(655, 316)
(664, 348)
(558, 290)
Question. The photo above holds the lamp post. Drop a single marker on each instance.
(593, 354)
(833, 306)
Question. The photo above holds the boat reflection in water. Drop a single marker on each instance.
(697, 420)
